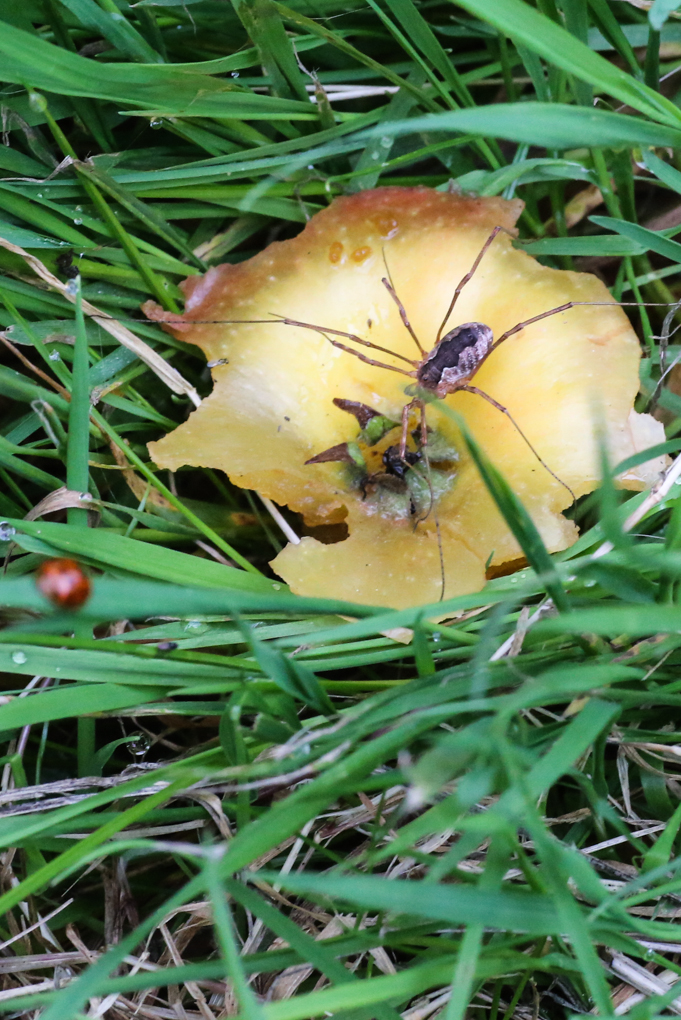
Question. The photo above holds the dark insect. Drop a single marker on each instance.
(167, 646)
(398, 465)
(63, 582)
(65, 265)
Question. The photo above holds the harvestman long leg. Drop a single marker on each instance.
(350, 336)
(363, 357)
(323, 330)
(542, 315)
(182, 321)
(505, 410)
(462, 283)
(390, 287)
(406, 411)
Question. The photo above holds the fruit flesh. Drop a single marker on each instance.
(272, 405)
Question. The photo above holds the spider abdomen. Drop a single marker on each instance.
(456, 358)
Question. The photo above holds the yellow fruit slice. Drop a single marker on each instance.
(562, 379)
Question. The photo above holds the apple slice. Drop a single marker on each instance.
(272, 407)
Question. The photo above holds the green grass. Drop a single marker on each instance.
(231, 801)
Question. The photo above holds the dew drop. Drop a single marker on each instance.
(386, 141)
(276, 587)
(78, 221)
(235, 74)
(139, 746)
(54, 356)
(196, 626)
(589, 584)
(62, 975)
(19, 658)
(6, 531)
(437, 637)
(156, 123)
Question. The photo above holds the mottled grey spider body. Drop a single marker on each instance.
(455, 359)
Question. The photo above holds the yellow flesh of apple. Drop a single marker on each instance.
(563, 380)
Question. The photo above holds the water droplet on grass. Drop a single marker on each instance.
(19, 658)
(140, 745)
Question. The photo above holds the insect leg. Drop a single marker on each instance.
(505, 410)
(363, 357)
(406, 410)
(466, 278)
(403, 313)
(324, 330)
(537, 318)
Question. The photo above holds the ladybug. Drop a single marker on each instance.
(63, 582)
